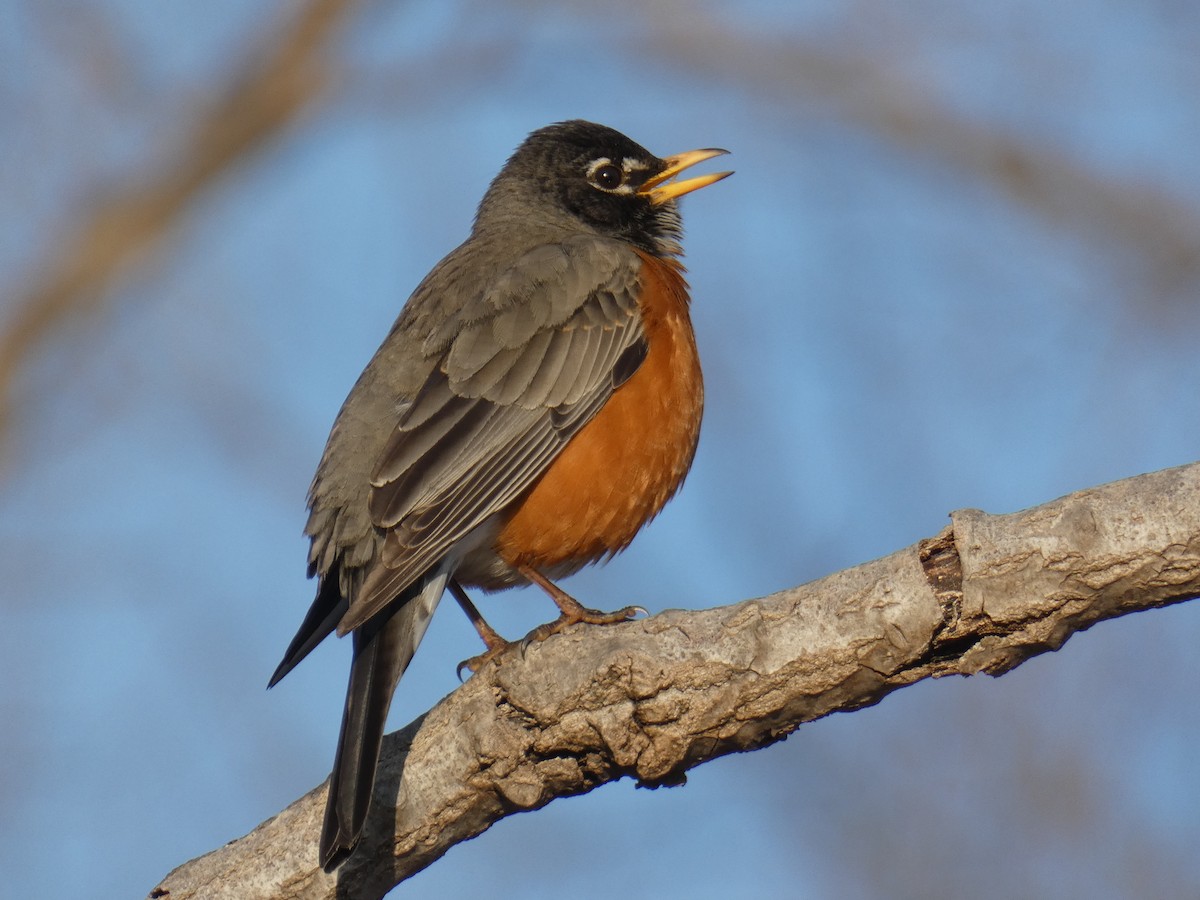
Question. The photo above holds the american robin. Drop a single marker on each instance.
(535, 404)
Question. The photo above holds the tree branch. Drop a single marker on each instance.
(653, 698)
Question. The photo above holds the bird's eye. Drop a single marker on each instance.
(608, 176)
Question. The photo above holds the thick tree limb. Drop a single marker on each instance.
(653, 698)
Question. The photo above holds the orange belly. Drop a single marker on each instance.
(619, 471)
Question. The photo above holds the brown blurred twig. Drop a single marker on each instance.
(1158, 232)
(282, 77)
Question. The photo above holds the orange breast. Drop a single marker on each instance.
(622, 467)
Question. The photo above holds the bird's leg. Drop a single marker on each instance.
(573, 611)
(495, 644)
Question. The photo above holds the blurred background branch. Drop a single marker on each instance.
(868, 84)
(279, 80)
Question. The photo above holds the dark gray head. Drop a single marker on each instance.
(581, 177)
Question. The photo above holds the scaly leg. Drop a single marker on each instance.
(495, 643)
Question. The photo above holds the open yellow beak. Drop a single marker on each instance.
(660, 188)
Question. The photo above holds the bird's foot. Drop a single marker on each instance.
(574, 613)
(475, 663)
(496, 645)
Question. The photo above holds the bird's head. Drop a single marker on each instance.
(579, 176)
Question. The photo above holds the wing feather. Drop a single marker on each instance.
(559, 332)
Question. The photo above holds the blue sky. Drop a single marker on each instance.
(892, 325)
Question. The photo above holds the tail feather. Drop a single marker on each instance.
(383, 648)
(322, 617)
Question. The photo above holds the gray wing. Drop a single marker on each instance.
(553, 338)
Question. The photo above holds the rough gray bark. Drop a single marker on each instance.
(653, 698)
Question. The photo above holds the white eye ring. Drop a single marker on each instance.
(607, 176)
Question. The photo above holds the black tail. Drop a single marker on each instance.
(383, 647)
(326, 610)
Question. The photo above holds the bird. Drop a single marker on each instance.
(537, 401)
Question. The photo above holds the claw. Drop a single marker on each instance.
(475, 663)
